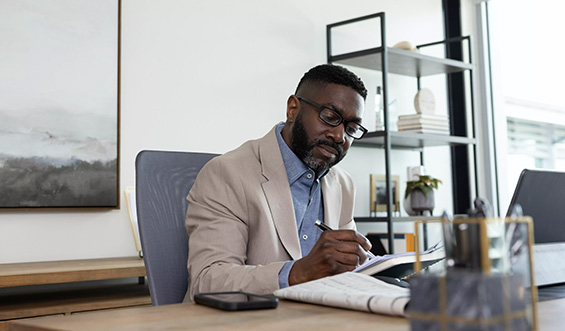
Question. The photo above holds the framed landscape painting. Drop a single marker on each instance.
(59, 104)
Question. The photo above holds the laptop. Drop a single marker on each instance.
(541, 194)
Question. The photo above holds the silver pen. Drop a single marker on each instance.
(324, 227)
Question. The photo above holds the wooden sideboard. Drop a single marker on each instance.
(36, 289)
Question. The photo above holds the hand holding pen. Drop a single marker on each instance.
(336, 251)
(324, 227)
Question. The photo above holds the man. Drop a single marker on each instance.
(251, 211)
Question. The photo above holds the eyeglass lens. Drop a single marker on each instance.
(333, 118)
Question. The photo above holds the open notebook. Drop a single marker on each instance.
(351, 291)
(401, 265)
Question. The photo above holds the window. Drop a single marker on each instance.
(526, 86)
(534, 144)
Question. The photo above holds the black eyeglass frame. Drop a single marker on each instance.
(345, 123)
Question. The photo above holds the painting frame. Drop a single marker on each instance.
(77, 160)
(378, 188)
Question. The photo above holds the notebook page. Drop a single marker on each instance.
(352, 291)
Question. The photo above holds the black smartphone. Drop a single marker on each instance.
(236, 300)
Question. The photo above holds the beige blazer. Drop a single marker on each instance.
(240, 219)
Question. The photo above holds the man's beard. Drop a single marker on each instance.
(303, 148)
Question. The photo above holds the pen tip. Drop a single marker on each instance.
(318, 222)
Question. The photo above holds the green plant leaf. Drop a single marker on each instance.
(424, 184)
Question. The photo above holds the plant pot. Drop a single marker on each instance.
(419, 202)
(408, 208)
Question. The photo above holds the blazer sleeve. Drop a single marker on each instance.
(218, 229)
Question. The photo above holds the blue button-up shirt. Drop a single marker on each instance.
(307, 201)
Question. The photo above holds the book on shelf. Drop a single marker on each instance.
(402, 126)
(440, 126)
(400, 265)
(403, 242)
(426, 130)
(442, 121)
(351, 290)
(431, 117)
(423, 123)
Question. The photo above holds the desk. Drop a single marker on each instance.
(289, 315)
(184, 316)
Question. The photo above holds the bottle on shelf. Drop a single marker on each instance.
(379, 116)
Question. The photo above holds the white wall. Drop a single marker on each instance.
(206, 76)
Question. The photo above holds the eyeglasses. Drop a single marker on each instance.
(333, 118)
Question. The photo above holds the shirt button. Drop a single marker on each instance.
(305, 237)
(309, 176)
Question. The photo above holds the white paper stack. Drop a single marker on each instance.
(424, 123)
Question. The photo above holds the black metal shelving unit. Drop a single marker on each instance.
(389, 60)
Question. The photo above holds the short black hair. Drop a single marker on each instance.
(332, 74)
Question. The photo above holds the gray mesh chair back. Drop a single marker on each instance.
(162, 181)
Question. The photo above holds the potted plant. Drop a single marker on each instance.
(420, 194)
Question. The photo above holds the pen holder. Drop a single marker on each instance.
(487, 285)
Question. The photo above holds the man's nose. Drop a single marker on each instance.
(337, 134)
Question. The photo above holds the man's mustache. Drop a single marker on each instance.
(335, 146)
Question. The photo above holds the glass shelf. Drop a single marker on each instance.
(412, 140)
(401, 62)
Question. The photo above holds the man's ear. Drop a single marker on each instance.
(292, 108)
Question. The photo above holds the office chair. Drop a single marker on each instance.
(163, 180)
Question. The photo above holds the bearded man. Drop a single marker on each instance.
(251, 212)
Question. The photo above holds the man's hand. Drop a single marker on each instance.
(335, 252)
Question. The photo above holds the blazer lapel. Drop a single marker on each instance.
(277, 193)
(331, 192)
